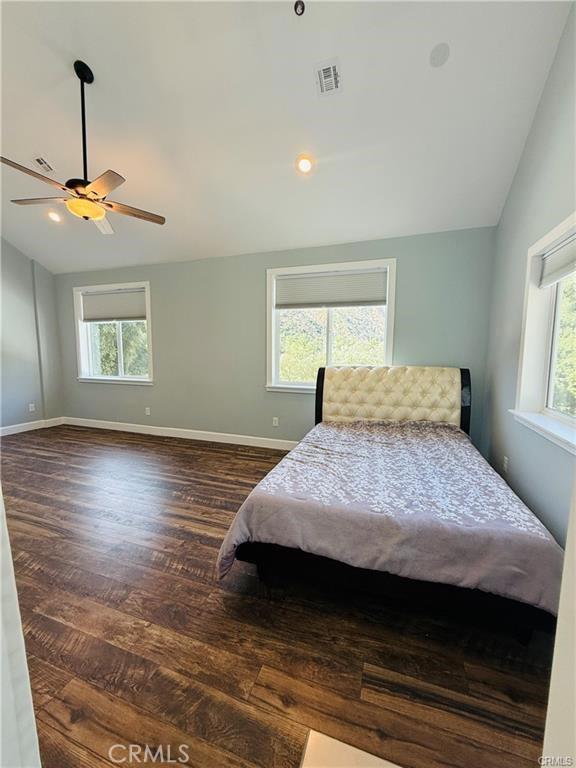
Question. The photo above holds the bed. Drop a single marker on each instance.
(389, 481)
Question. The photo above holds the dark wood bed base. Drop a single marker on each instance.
(278, 565)
(283, 567)
(465, 398)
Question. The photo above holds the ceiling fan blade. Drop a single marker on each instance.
(104, 226)
(127, 210)
(39, 176)
(104, 184)
(40, 200)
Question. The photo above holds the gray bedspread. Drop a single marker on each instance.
(414, 499)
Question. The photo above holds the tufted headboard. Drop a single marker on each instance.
(400, 393)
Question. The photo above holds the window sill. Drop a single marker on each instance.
(559, 432)
(302, 388)
(106, 380)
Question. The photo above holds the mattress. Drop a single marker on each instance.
(412, 498)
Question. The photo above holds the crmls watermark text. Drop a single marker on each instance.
(557, 761)
(131, 754)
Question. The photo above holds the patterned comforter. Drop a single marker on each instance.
(415, 499)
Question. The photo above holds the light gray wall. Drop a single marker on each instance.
(20, 362)
(48, 341)
(209, 332)
(30, 361)
(542, 195)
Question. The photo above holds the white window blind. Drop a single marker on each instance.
(558, 262)
(123, 304)
(331, 289)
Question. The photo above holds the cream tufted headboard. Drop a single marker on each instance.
(400, 393)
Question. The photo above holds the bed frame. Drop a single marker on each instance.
(277, 565)
(465, 392)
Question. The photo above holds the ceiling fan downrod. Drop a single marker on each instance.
(86, 76)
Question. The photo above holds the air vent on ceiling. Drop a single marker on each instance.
(43, 164)
(328, 77)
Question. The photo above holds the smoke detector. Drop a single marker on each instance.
(42, 164)
(328, 79)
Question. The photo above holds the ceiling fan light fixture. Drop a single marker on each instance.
(85, 209)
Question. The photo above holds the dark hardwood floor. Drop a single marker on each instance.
(130, 639)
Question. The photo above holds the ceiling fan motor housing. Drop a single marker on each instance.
(78, 185)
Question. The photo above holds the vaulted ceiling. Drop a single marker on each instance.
(204, 107)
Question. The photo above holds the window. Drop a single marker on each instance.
(113, 333)
(546, 395)
(333, 314)
(562, 377)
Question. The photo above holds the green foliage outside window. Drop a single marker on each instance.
(563, 384)
(104, 350)
(135, 347)
(357, 337)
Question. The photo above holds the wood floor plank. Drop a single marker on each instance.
(195, 524)
(130, 639)
(120, 672)
(382, 732)
(380, 631)
(513, 691)
(484, 721)
(43, 571)
(59, 751)
(45, 680)
(73, 525)
(267, 647)
(209, 664)
(125, 571)
(98, 720)
(194, 708)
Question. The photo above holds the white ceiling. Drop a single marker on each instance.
(203, 107)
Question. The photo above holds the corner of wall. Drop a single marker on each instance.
(31, 358)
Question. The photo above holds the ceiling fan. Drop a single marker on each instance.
(86, 199)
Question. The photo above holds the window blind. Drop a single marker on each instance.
(559, 262)
(127, 304)
(331, 289)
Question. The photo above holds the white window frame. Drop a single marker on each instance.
(272, 326)
(82, 340)
(531, 407)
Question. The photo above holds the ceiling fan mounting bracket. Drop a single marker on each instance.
(84, 72)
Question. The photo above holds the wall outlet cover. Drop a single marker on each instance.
(31, 407)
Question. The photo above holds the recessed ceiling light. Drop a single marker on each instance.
(54, 216)
(304, 164)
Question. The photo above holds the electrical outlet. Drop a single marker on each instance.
(31, 407)
(147, 411)
(275, 421)
(505, 464)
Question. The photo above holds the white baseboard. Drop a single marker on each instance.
(27, 426)
(147, 429)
